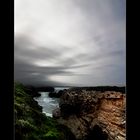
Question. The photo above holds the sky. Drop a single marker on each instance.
(70, 42)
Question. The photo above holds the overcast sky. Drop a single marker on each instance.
(70, 42)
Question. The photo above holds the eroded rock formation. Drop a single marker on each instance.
(93, 114)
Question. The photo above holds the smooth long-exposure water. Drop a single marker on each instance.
(48, 103)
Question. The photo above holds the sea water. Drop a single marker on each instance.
(48, 104)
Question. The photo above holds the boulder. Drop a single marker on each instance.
(56, 113)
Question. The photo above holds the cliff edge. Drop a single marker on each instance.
(93, 114)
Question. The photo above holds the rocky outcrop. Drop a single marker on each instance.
(56, 113)
(93, 114)
(56, 94)
(45, 89)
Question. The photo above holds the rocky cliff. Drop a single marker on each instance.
(93, 114)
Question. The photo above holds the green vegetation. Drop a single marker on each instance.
(31, 123)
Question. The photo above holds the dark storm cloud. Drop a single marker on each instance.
(29, 73)
(23, 47)
(70, 42)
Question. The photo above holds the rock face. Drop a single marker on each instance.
(94, 114)
(56, 113)
(56, 94)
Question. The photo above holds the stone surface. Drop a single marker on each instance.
(84, 110)
(56, 113)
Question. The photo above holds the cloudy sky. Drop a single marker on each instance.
(70, 42)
